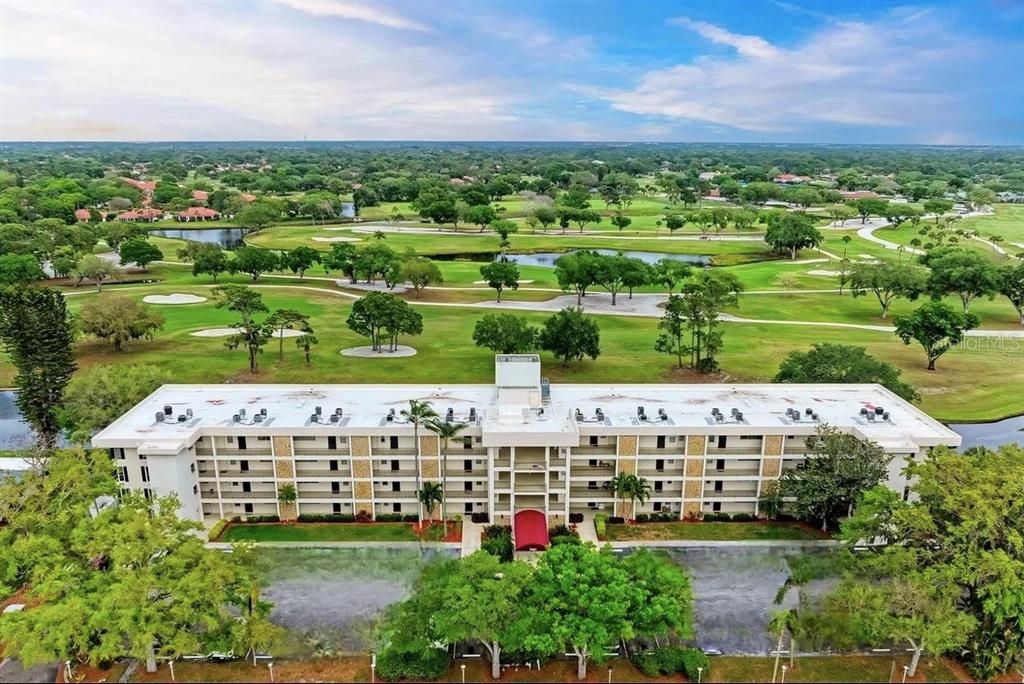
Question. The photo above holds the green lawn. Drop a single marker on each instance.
(322, 532)
(710, 531)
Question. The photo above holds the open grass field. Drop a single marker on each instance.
(718, 531)
(313, 532)
(978, 381)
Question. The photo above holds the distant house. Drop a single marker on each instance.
(858, 194)
(200, 196)
(197, 214)
(790, 179)
(144, 214)
(713, 192)
(709, 175)
(82, 215)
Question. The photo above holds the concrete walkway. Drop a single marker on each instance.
(586, 529)
(710, 544)
(226, 546)
(471, 532)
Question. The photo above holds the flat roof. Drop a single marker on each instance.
(210, 409)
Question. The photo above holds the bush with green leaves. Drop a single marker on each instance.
(393, 665)
(669, 660)
(498, 542)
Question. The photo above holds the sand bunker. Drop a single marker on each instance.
(368, 352)
(176, 298)
(225, 332)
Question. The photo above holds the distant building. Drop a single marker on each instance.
(247, 197)
(197, 214)
(200, 196)
(709, 175)
(82, 215)
(790, 179)
(144, 214)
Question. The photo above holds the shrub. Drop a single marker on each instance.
(493, 531)
(576, 518)
(669, 660)
(410, 517)
(560, 534)
(363, 517)
(390, 517)
(600, 525)
(326, 517)
(480, 517)
(217, 529)
(743, 517)
(717, 517)
(429, 664)
(500, 546)
(262, 519)
(616, 520)
(642, 517)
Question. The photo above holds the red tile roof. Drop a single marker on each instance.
(199, 212)
(200, 195)
(144, 186)
(136, 214)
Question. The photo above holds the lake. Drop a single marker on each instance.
(547, 259)
(227, 238)
(14, 432)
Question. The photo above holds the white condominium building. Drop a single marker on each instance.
(226, 450)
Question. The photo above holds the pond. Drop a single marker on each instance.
(14, 432)
(990, 434)
(547, 259)
(227, 238)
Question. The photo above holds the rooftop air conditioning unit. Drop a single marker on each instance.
(159, 417)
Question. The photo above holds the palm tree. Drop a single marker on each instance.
(418, 413)
(430, 496)
(624, 486)
(617, 487)
(287, 495)
(445, 432)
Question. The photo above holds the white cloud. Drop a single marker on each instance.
(897, 72)
(175, 70)
(371, 13)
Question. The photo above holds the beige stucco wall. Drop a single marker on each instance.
(284, 469)
(361, 468)
(287, 511)
(363, 490)
(695, 467)
(771, 467)
(429, 468)
(282, 446)
(695, 445)
(693, 489)
(430, 445)
(773, 445)
(691, 509)
(360, 446)
(627, 445)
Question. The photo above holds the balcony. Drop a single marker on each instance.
(382, 472)
(384, 451)
(667, 472)
(745, 493)
(253, 451)
(305, 494)
(592, 472)
(599, 450)
(239, 495)
(407, 495)
(323, 473)
(320, 450)
(236, 473)
(667, 493)
(753, 450)
(531, 488)
(733, 472)
(461, 495)
(587, 493)
(206, 450)
(530, 464)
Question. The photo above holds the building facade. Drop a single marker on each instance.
(226, 450)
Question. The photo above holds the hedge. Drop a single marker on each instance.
(669, 660)
(480, 517)
(600, 524)
(416, 666)
(218, 529)
(576, 518)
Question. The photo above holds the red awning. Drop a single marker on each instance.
(530, 528)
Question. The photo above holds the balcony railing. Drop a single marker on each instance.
(267, 494)
(234, 473)
(599, 450)
(381, 472)
(388, 494)
(323, 451)
(730, 494)
(323, 473)
(586, 492)
(753, 450)
(384, 452)
(592, 471)
(249, 452)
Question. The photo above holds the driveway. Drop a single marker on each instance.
(11, 671)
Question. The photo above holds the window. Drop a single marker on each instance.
(122, 473)
(716, 507)
(263, 439)
(192, 467)
(335, 488)
(332, 442)
(592, 484)
(720, 464)
(243, 466)
(467, 465)
(659, 465)
(593, 440)
(195, 489)
(468, 508)
(241, 443)
(721, 441)
(148, 493)
(661, 441)
(396, 486)
(394, 442)
(247, 486)
(467, 442)
(248, 508)
(395, 465)
(658, 485)
(396, 508)
(145, 473)
(718, 485)
(468, 486)
(142, 457)
(657, 506)
(333, 465)
(336, 508)
(117, 453)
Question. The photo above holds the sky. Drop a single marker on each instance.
(845, 71)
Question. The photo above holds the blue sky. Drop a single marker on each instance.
(733, 70)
